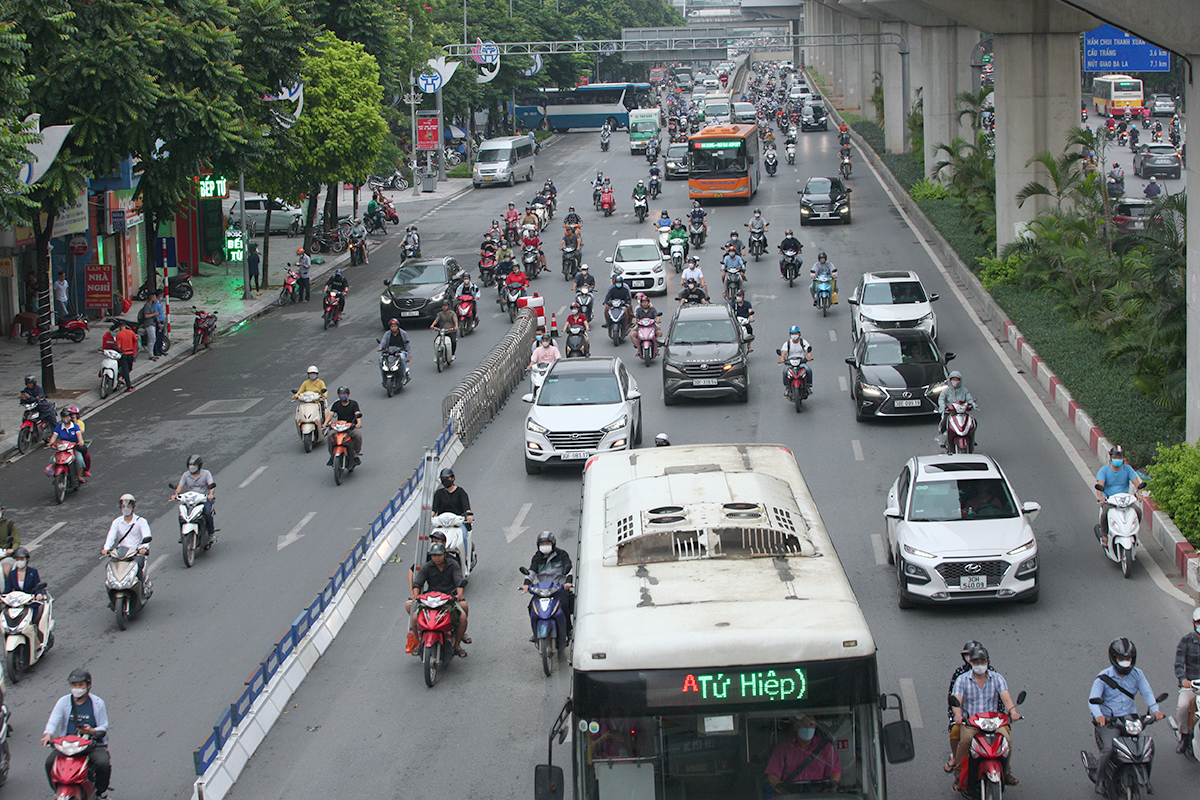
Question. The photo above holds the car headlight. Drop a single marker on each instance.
(658, 268)
(863, 319)
(870, 390)
(385, 299)
(533, 426)
(919, 553)
(936, 389)
(844, 210)
(927, 318)
(672, 164)
(804, 210)
(616, 425)
(1016, 551)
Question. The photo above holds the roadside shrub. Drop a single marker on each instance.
(1175, 487)
(1000, 271)
(871, 132)
(953, 222)
(909, 168)
(924, 189)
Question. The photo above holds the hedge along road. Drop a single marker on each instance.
(484, 726)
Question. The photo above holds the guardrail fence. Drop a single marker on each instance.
(481, 394)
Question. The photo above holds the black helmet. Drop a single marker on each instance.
(21, 552)
(438, 536)
(1116, 451)
(80, 676)
(195, 458)
(343, 390)
(1122, 650)
(547, 536)
(446, 476)
(822, 257)
(30, 379)
(966, 648)
(976, 652)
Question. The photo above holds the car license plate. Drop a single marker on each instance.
(1137, 226)
(576, 455)
(972, 582)
(907, 403)
(489, 177)
(705, 382)
(409, 313)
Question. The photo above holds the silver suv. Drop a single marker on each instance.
(284, 218)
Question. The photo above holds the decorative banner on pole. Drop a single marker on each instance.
(427, 133)
(294, 94)
(486, 54)
(535, 68)
(43, 152)
(438, 74)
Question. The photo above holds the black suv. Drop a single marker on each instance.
(825, 198)
(705, 355)
(814, 117)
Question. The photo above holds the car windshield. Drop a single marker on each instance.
(964, 499)
(1160, 150)
(819, 186)
(492, 155)
(644, 251)
(677, 151)
(894, 352)
(579, 390)
(417, 272)
(895, 293)
(703, 331)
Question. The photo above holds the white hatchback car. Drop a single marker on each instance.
(641, 264)
(892, 300)
(585, 406)
(956, 532)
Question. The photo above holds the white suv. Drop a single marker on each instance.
(891, 300)
(956, 532)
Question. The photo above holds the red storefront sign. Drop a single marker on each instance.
(427, 133)
(98, 286)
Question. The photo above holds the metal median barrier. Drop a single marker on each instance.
(481, 394)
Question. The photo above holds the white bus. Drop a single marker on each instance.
(1112, 94)
(712, 612)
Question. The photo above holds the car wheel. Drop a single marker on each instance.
(637, 439)
(803, 222)
(903, 600)
(859, 416)
(891, 554)
(532, 467)
(846, 221)
(669, 399)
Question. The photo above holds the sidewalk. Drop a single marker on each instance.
(77, 366)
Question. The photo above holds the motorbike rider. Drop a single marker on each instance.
(358, 240)
(692, 271)
(744, 311)
(662, 440)
(645, 310)
(964, 667)
(530, 219)
(551, 194)
(412, 240)
(551, 558)
(572, 218)
(1115, 688)
(692, 294)
(619, 291)
(67, 430)
(133, 532)
(977, 692)
(511, 217)
(656, 174)
(698, 214)
(394, 336)
(663, 222)
(441, 574)
(821, 267)
(640, 192)
(1114, 477)
(732, 262)
(375, 209)
(734, 242)
(584, 278)
(531, 239)
(545, 351)
(955, 392)
(758, 225)
(494, 233)
(505, 261)
(1152, 190)
(577, 317)
(572, 239)
(1117, 174)
(338, 283)
(198, 479)
(10, 540)
(844, 152)
(1187, 669)
(789, 242)
(447, 320)
(450, 498)
(346, 410)
(796, 345)
(516, 279)
(81, 713)
(32, 393)
(679, 234)
(24, 578)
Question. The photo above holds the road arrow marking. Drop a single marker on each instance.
(516, 529)
(294, 534)
(44, 534)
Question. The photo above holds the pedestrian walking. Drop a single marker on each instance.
(127, 343)
(160, 320)
(252, 263)
(149, 322)
(61, 286)
(303, 264)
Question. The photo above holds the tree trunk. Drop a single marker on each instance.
(331, 206)
(314, 194)
(42, 251)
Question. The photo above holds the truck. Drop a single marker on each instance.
(644, 124)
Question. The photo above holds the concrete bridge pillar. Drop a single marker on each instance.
(893, 96)
(948, 58)
(852, 58)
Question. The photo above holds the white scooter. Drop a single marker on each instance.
(537, 376)
(1194, 753)
(25, 643)
(194, 533)
(677, 254)
(108, 372)
(790, 150)
(663, 232)
(309, 414)
(1123, 528)
(459, 543)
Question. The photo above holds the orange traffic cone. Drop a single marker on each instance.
(553, 325)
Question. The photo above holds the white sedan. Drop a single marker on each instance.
(641, 264)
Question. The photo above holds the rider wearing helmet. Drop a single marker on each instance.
(132, 532)
(81, 713)
(678, 234)
(644, 310)
(198, 479)
(338, 283)
(312, 383)
(639, 191)
(1114, 477)
(698, 214)
(450, 498)
(1187, 669)
(789, 243)
(796, 345)
(68, 430)
(32, 393)
(977, 692)
(394, 336)
(346, 410)
(964, 667)
(821, 267)
(550, 558)
(955, 392)
(1112, 696)
(584, 278)
(661, 440)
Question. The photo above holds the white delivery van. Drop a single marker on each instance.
(503, 160)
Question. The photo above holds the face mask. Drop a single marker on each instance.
(1197, 629)
(545, 549)
(1124, 664)
(796, 338)
(1116, 462)
(78, 691)
(21, 564)
(193, 469)
(806, 734)
(956, 383)
(979, 669)
(446, 482)
(343, 397)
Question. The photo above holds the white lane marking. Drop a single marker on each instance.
(516, 529)
(1039, 407)
(294, 534)
(44, 534)
(912, 710)
(562, 312)
(842, 383)
(833, 336)
(880, 550)
(600, 253)
(856, 446)
(156, 563)
(253, 475)
(615, 230)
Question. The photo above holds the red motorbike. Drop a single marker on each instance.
(289, 292)
(69, 773)
(333, 307)
(64, 473)
(960, 428)
(607, 203)
(435, 633)
(510, 231)
(797, 380)
(389, 212)
(203, 328)
(465, 309)
(981, 775)
(74, 329)
(343, 450)
(487, 267)
(34, 427)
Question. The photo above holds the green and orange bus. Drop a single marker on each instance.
(723, 162)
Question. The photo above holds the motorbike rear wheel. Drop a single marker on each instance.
(122, 612)
(196, 337)
(17, 663)
(185, 291)
(77, 335)
(60, 488)
(189, 549)
(431, 658)
(546, 647)
(26, 439)
(5, 760)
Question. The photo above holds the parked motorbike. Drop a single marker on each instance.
(1132, 756)
(34, 428)
(389, 212)
(641, 207)
(1193, 752)
(677, 254)
(758, 242)
(310, 412)
(395, 181)
(63, 471)
(108, 372)
(326, 241)
(771, 162)
(825, 293)
(290, 291)
(69, 772)
(576, 342)
(846, 167)
(583, 296)
(123, 581)
(194, 531)
(178, 286)
(393, 370)
(73, 328)
(203, 327)
(790, 152)
(982, 775)
(797, 379)
(464, 309)
(24, 642)
(647, 340)
(696, 233)
(615, 320)
(343, 449)
(435, 633)
(1123, 529)
(547, 616)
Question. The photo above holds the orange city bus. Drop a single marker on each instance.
(723, 162)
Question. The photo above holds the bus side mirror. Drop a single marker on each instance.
(897, 742)
(548, 782)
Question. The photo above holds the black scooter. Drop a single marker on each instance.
(1132, 756)
(178, 286)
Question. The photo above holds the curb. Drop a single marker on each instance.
(1159, 525)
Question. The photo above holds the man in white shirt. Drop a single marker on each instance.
(131, 531)
(60, 297)
(693, 272)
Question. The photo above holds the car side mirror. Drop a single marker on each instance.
(933, 298)
(634, 395)
(848, 190)
(1031, 510)
(386, 281)
(527, 398)
(852, 301)
(949, 357)
(892, 512)
(608, 260)
(852, 361)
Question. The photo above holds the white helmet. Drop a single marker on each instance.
(312, 369)
(1196, 616)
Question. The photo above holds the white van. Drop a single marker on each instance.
(503, 160)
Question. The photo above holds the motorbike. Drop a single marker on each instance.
(647, 340)
(375, 224)
(652, 151)
(771, 162)
(530, 261)
(63, 470)
(797, 379)
(511, 295)
(389, 212)
(655, 187)
(607, 203)
(487, 268)
(395, 181)
(324, 241)
(1123, 530)
(696, 233)
(846, 167)
(825, 295)
(537, 376)
(203, 327)
(790, 152)
(108, 372)
(358, 250)
(24, 642)
(1156, 136)
(443, 352)
(733, 277)
(960, 428)
(69, 772)
(583, 296)
(547, 616)
(604, 137)
(35, 428)
(615, 320)
(664, 231)
(435, 633)
(982, 775)
(510, 231)
(1193, 754)
(791, 266)
(758, 242)
(1122, 138)
(178, 286)
(393, 369)
(542, 212)
(1083, 114)
(73, 328)
(332, 307)
(465, 309)
(576, 342)
(343, 449)
(597, 194)
(677, 254)
(309, 414)
(123, 581)
(194, 531)
(1145, 122)
(410, 250)
(1132, 756)
(1116, 188)
(290, 291)
(570, 263)
(641, 207)
(457, 541)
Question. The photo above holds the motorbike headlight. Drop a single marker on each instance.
(617, 425)
(533, 426)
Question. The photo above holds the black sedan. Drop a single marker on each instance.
(825, 199)
(897, 373)
(677, 161)
(418, 288)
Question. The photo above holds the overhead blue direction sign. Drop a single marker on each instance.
(1109, 49)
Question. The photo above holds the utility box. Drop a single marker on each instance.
(429, 183)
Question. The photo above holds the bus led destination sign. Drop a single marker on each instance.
(705, 144)
(732, 687)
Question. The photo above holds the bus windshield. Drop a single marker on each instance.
(718, 157)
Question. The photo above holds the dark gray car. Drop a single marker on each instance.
(418, 288)
(705, 355)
